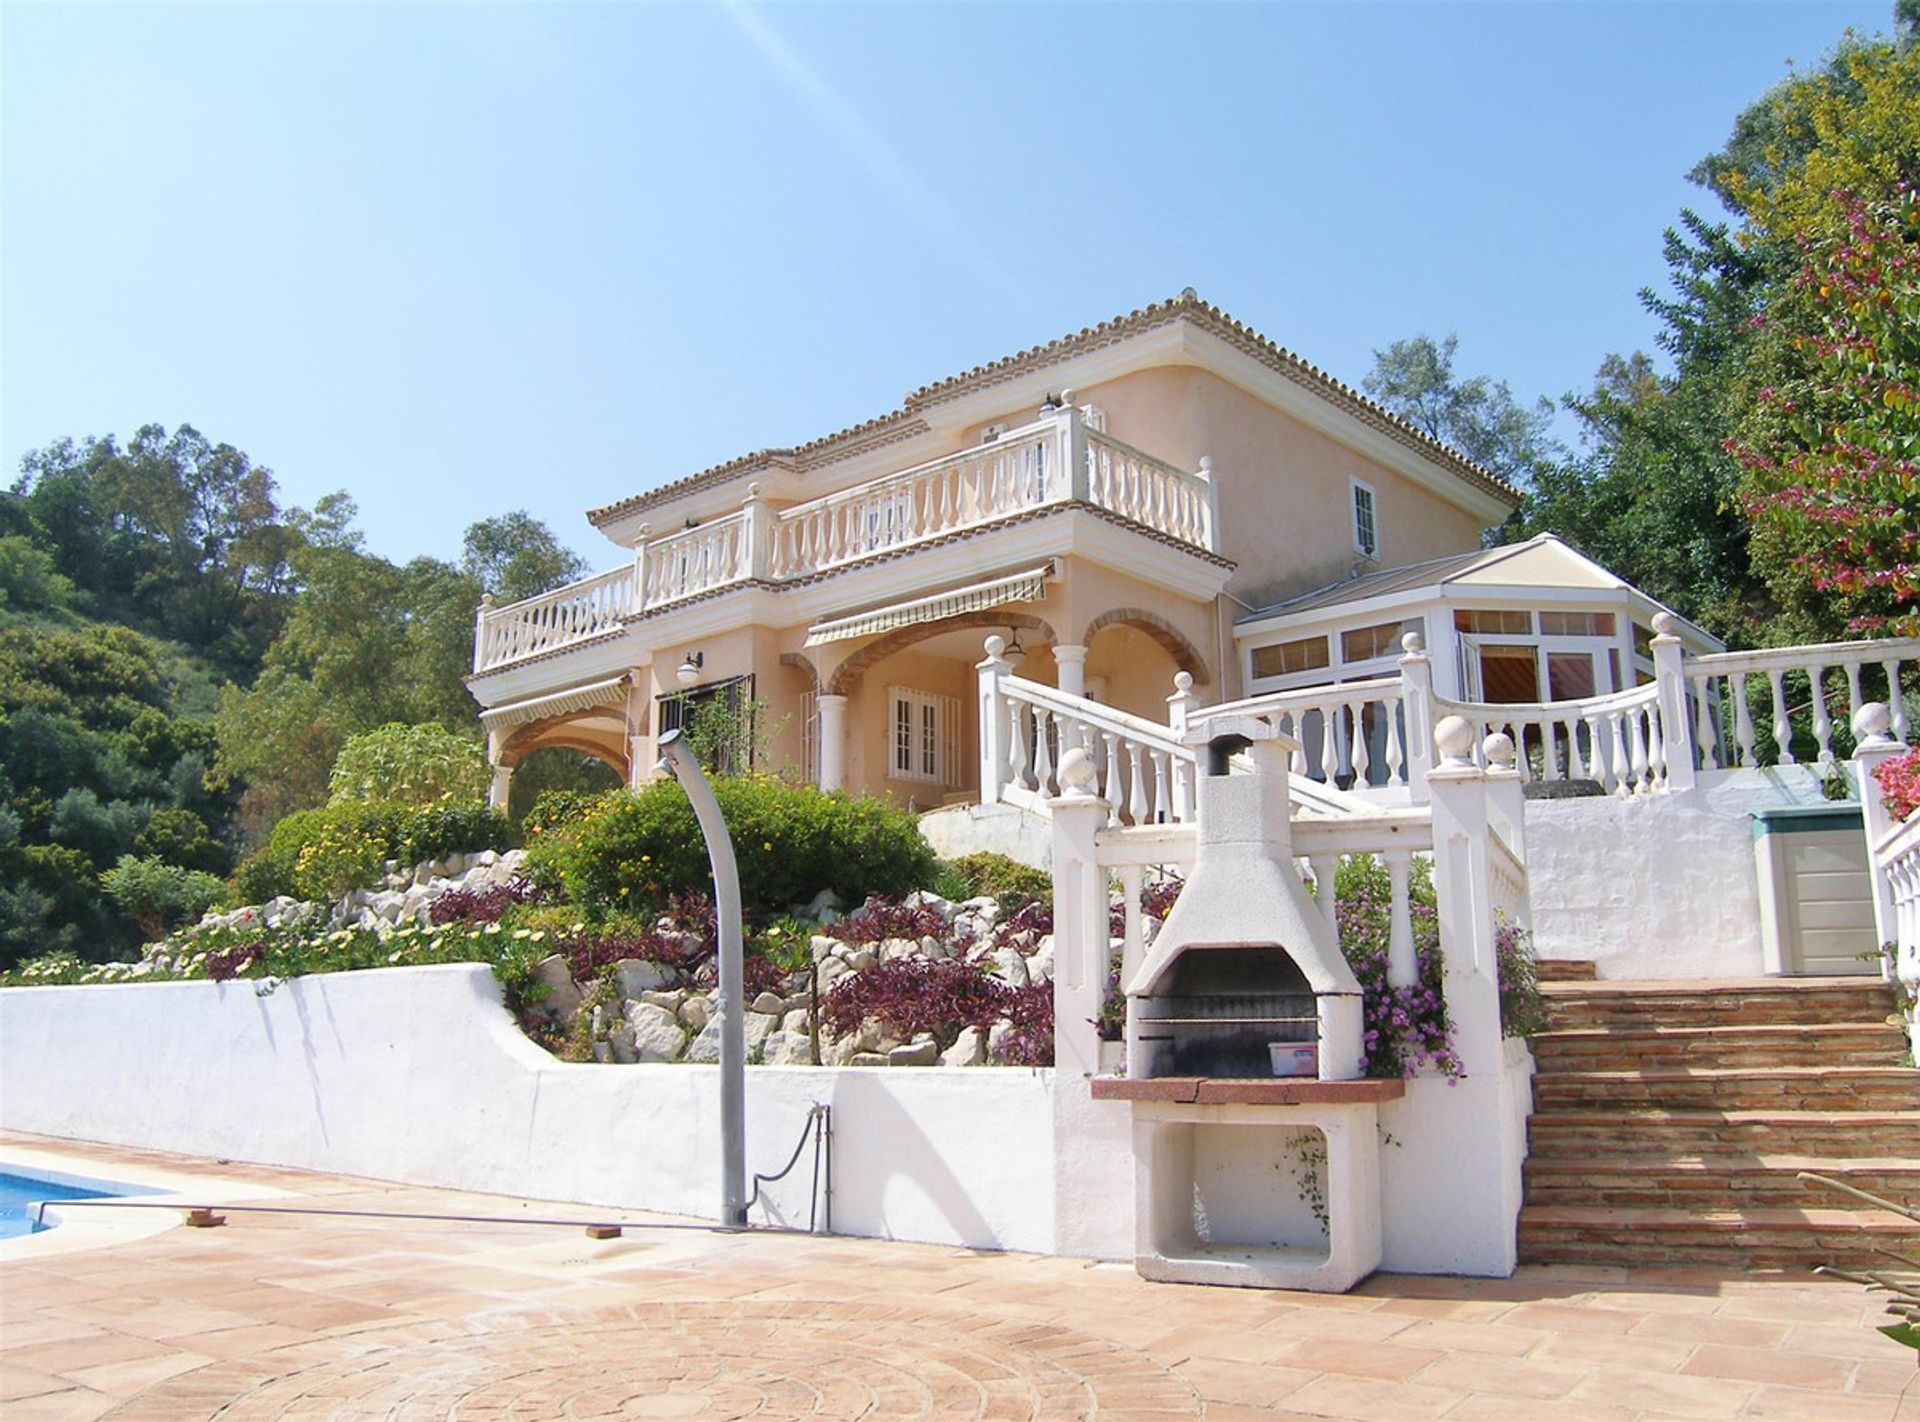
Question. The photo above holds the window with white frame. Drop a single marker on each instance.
(919, 724)
(1366, 527)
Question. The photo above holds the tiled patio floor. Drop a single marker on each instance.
(282, 1316)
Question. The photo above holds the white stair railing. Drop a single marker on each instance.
(1353, 733)
(1617, 740)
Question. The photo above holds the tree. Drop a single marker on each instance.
(409, 765)
(1476, 415)
(173, 534)
(515, 556)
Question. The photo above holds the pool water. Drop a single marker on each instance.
(20, 1197)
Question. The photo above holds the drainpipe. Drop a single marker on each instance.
(679, 762)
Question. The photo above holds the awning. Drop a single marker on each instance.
(1029, 586)
(539, 708)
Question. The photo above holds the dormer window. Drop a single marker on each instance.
(1366, 528)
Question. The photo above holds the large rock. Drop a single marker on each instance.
(620, 1041)
(760, 1026)
(968, 1049)
(1040, 962)
(1010, 967)
(926, 898)
(831, 970)
(996, 1038)
(695, 1013)
(922, 1051)
(893, 948)
(656, 1033)
(787, 1049)
(563, 997)
(706, 1046)
(769, 1002)
(824, 947)
(822, 904)
(637, 975)
(669, 1000)
(862, 958)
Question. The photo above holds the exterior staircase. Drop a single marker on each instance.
(1671, 1121)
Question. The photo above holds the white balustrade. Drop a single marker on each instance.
(694, 560)
(1721, 689)
(1151, 491)
(553, 620)
(1351, 734)
(1617, 740)
(1139, 764)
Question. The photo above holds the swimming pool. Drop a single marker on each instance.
(20, 1196)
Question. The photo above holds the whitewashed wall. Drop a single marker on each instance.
(420, 1075)
(1657, 886)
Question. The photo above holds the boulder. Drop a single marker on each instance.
(822, 904)
(670, 1000)
(563, 998)
(696, 1013)
(862, 958)
(423, 874)
(824, 947)
(932, 947)
(926, 898)
(986, 908)
(921, 1051)
(486, 858)
(706, 1046)
(1010, 967)
(1040, 963)
(996, 1038)
(894, 948)
(787, 1049)
(637, 975)
(603, 1051)
(968, 1049)
(831, 970)
(621, 1042)
(760, 1026)
(655, 1032)
(869, 1059)
(769, 1002)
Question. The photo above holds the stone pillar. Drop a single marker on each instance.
(1213, 506)
(1073, 440)
(1072, 661)
(1872, 745)
(758, 522)
(1416, 711)
(1506, 792)
(994, 722)
(1670, 681)
(502, 774)
(832, 740)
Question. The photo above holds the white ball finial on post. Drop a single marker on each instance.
(1498, 749)
(1872, 722)
(1453, 737)
(1078, 774)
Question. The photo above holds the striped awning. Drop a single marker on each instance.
(1029, 586)
(538, 708)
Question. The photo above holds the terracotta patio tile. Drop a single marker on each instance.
(17, 1382)
(1895, 1376)
(74, 1405)
(1647, 1353)
(1786, 1402)
(1769, 1365)
(132, 1375)
(68, 1354)
(1662, 1392)
(1244, 1384)
(1542, 1379)
(1371, 1400)
(1387, 1360)
(1496, 1340)
(1740, 1332)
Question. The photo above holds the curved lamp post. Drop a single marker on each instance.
(677, 760)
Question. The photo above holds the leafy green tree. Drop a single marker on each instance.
(516, 555)
(409, 765)
(157, 895)
(1477, 415)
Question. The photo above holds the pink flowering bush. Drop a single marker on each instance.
(1900, 783)
(1403, 1028)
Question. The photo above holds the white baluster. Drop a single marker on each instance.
(1822, 722)
(1743, 719)
(1042, 757)
(1330, 744)
(1396, 752)
(1854, 699)
(1113, 789)
(1622, 763)
(1782, 725)
(1703, 722)
(1137, 783)
(1896, 703)
(1162, 808)
(1017, 754)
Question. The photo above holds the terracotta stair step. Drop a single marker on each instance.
(1663, 1134)
(1567, 970)
(1735, 1002)
(1848, 1088)
(1766, 1238)
(1870, 1043)
(1716, 1182)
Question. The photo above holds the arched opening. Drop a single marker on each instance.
(559, 767)
(1180, 650)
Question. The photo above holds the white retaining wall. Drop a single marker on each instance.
(420, 1075)
(1657, 886)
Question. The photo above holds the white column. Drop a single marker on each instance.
(1872, 745)
(1670, 680)
(1463, 887)
(1072, 661)
(758, 525)
(502, 785)
(833, 740)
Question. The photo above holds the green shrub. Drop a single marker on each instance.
(1000, 876)
(408, 765)
(637, 850)
(557, 809)
(321, 854)
(156, 894)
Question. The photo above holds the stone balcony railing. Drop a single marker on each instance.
(1055, 460)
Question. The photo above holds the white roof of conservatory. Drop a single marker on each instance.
(1542, 561)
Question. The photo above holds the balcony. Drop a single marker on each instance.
(1056, 460)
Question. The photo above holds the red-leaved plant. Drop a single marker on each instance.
(1900, 783)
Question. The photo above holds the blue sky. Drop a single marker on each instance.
(458, 259)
